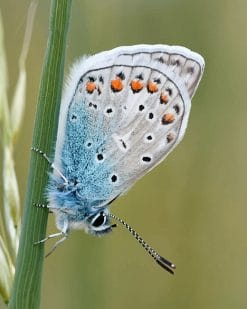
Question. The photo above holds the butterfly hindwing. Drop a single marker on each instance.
(126, 110)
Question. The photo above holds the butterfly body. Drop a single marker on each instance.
(122, 113)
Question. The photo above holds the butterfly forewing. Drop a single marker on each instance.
(128, 110)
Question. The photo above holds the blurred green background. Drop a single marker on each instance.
(191, 208)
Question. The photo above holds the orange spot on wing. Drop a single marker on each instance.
(116, 84)
(152, 87)
(136, 85)
(90, 87)
(164, 98)
(168, 118)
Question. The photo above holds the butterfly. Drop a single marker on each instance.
(123, 111)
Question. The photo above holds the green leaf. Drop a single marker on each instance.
(27, 282)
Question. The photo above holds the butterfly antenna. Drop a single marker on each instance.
(164, 263)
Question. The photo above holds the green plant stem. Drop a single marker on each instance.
(27, 282)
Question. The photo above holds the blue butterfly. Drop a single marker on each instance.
(122, 113)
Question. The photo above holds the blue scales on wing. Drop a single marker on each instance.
(125, 111)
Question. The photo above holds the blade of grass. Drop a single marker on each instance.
(10, 121)
(4, 109)
(10, 185)
(27, 283)
(19, 98)
(6, 272)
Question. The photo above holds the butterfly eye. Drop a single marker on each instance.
(99, 220)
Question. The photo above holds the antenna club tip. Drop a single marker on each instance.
(164, 263)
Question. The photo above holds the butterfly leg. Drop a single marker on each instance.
(49, 237)
(56, 244)
(54, 208)
(65, 235)
(42, 206)
(50, 162)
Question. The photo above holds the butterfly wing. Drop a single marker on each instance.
(122, 113)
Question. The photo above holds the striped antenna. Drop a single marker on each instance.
(164, 263)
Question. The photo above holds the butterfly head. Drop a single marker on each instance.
(99, 223)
